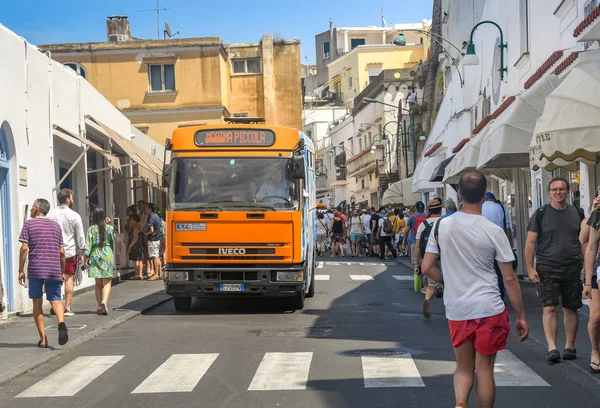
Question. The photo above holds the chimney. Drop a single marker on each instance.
(117, 29)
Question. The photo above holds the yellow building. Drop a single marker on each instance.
(350, 74)
(163, 84)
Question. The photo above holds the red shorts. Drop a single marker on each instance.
(71, 265)
(489, 333)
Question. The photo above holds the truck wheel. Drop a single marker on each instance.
(297, 302)
(311, 289)
(182, 304)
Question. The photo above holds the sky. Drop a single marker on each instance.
(64, 21)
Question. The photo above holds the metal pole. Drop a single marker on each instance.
(414, 141)
(398, 131)
(405, 147)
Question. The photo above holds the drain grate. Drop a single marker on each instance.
(307, 332)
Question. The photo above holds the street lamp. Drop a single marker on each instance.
(472, 59)
(400, 40)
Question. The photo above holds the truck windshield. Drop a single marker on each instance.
(218, 184)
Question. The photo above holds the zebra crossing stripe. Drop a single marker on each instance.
(403, 277)
(361, 277)
(390, 371)
(72, 378)
(282, 371)
(509, 371)
(180, 373)
(322, 277)
(320, 265)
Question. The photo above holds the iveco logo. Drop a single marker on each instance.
(232, 251)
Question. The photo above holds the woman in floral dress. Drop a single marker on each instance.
(99, 253)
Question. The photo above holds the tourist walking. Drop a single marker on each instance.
(412, 225)
(73, 237)
(321, 234)
(590, 290)
(338, 234)
(357, 231)
(42, 244)
(374, 232)
(553, 237)
(99, 253)
(384, 232)
(424, 233)
(135, 246)
(153, 235)
(467, 245)
(367, 228)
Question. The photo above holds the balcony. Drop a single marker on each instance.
(365, 162)
(589, 28)
(322, 185)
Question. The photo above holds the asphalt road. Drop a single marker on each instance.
(360, 342)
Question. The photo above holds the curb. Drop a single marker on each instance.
(35, 362)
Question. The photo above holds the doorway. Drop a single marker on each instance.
(5, 219)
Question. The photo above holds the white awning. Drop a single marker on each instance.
(569, 129)
(507, 142)
(400, 192)
(465, 160)
(425, 168)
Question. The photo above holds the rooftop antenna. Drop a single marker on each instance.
(167, 32)
(158, 9)
(383, 22)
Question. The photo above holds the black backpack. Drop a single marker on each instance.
(425, 237)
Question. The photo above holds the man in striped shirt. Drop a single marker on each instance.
(42, 242)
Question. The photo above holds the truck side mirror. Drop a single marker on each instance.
(296, 168)
(166, 175)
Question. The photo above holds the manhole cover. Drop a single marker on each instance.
(382, 352)
(308, 332)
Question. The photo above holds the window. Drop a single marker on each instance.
(487, 107)
(246, 66)
(351, 146)
(362, 184)
(587, 10)
(360, 144)
(326, 50)
(162, 77)
(77, 68)
(349, 82)
(355, 42)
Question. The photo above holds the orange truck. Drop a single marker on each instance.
(241, 213)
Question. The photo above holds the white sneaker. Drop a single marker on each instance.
(68, 312)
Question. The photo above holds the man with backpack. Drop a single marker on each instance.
(553, 237)
(385, 232)
(412, 225)
(424, 232)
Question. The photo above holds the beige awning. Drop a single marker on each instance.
(112, 161)
(400, 192)
(149, 167)
(569, 129)
(465, 160)
(506, 144)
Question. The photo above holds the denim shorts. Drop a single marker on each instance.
(53, 289)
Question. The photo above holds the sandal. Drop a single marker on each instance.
(553, 356)
(45, 345)
(104, 309)
(99, 310)
(153, 278)
(595, 367)
(569, 354)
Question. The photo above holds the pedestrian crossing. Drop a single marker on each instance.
(277, 371)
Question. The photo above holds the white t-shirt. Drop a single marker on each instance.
(430, 221)
(355, 224)
(367, 223)
(322, 227)
(72, 229)
(495, 213)
(470, 244)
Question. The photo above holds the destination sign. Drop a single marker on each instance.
(235, 137)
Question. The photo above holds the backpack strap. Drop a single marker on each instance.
(539, 216)
(436, 235)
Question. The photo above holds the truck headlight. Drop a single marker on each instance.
(178, 276)
(289, 276)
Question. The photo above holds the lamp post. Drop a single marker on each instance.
(401, 42)
(472, 59)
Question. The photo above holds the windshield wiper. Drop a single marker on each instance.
(203, 206)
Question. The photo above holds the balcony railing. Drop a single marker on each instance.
(364, 162)
(341, 173)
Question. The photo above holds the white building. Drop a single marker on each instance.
(57, 131)
(489, 123)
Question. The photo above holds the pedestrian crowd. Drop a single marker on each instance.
(55, 248)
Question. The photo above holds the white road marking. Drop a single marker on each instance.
(71, 378)
(282, 371)
(180, 373)
(320, 265)
(403, 277)
(509, 371)
(322, 277)
(391, 371)
(331, 263)
(361, 277)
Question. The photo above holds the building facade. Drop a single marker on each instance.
(162, 84)
(57, 131)
(501, 116)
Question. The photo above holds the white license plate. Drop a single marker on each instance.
(229, 287)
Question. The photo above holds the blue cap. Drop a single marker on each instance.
(490, 196)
